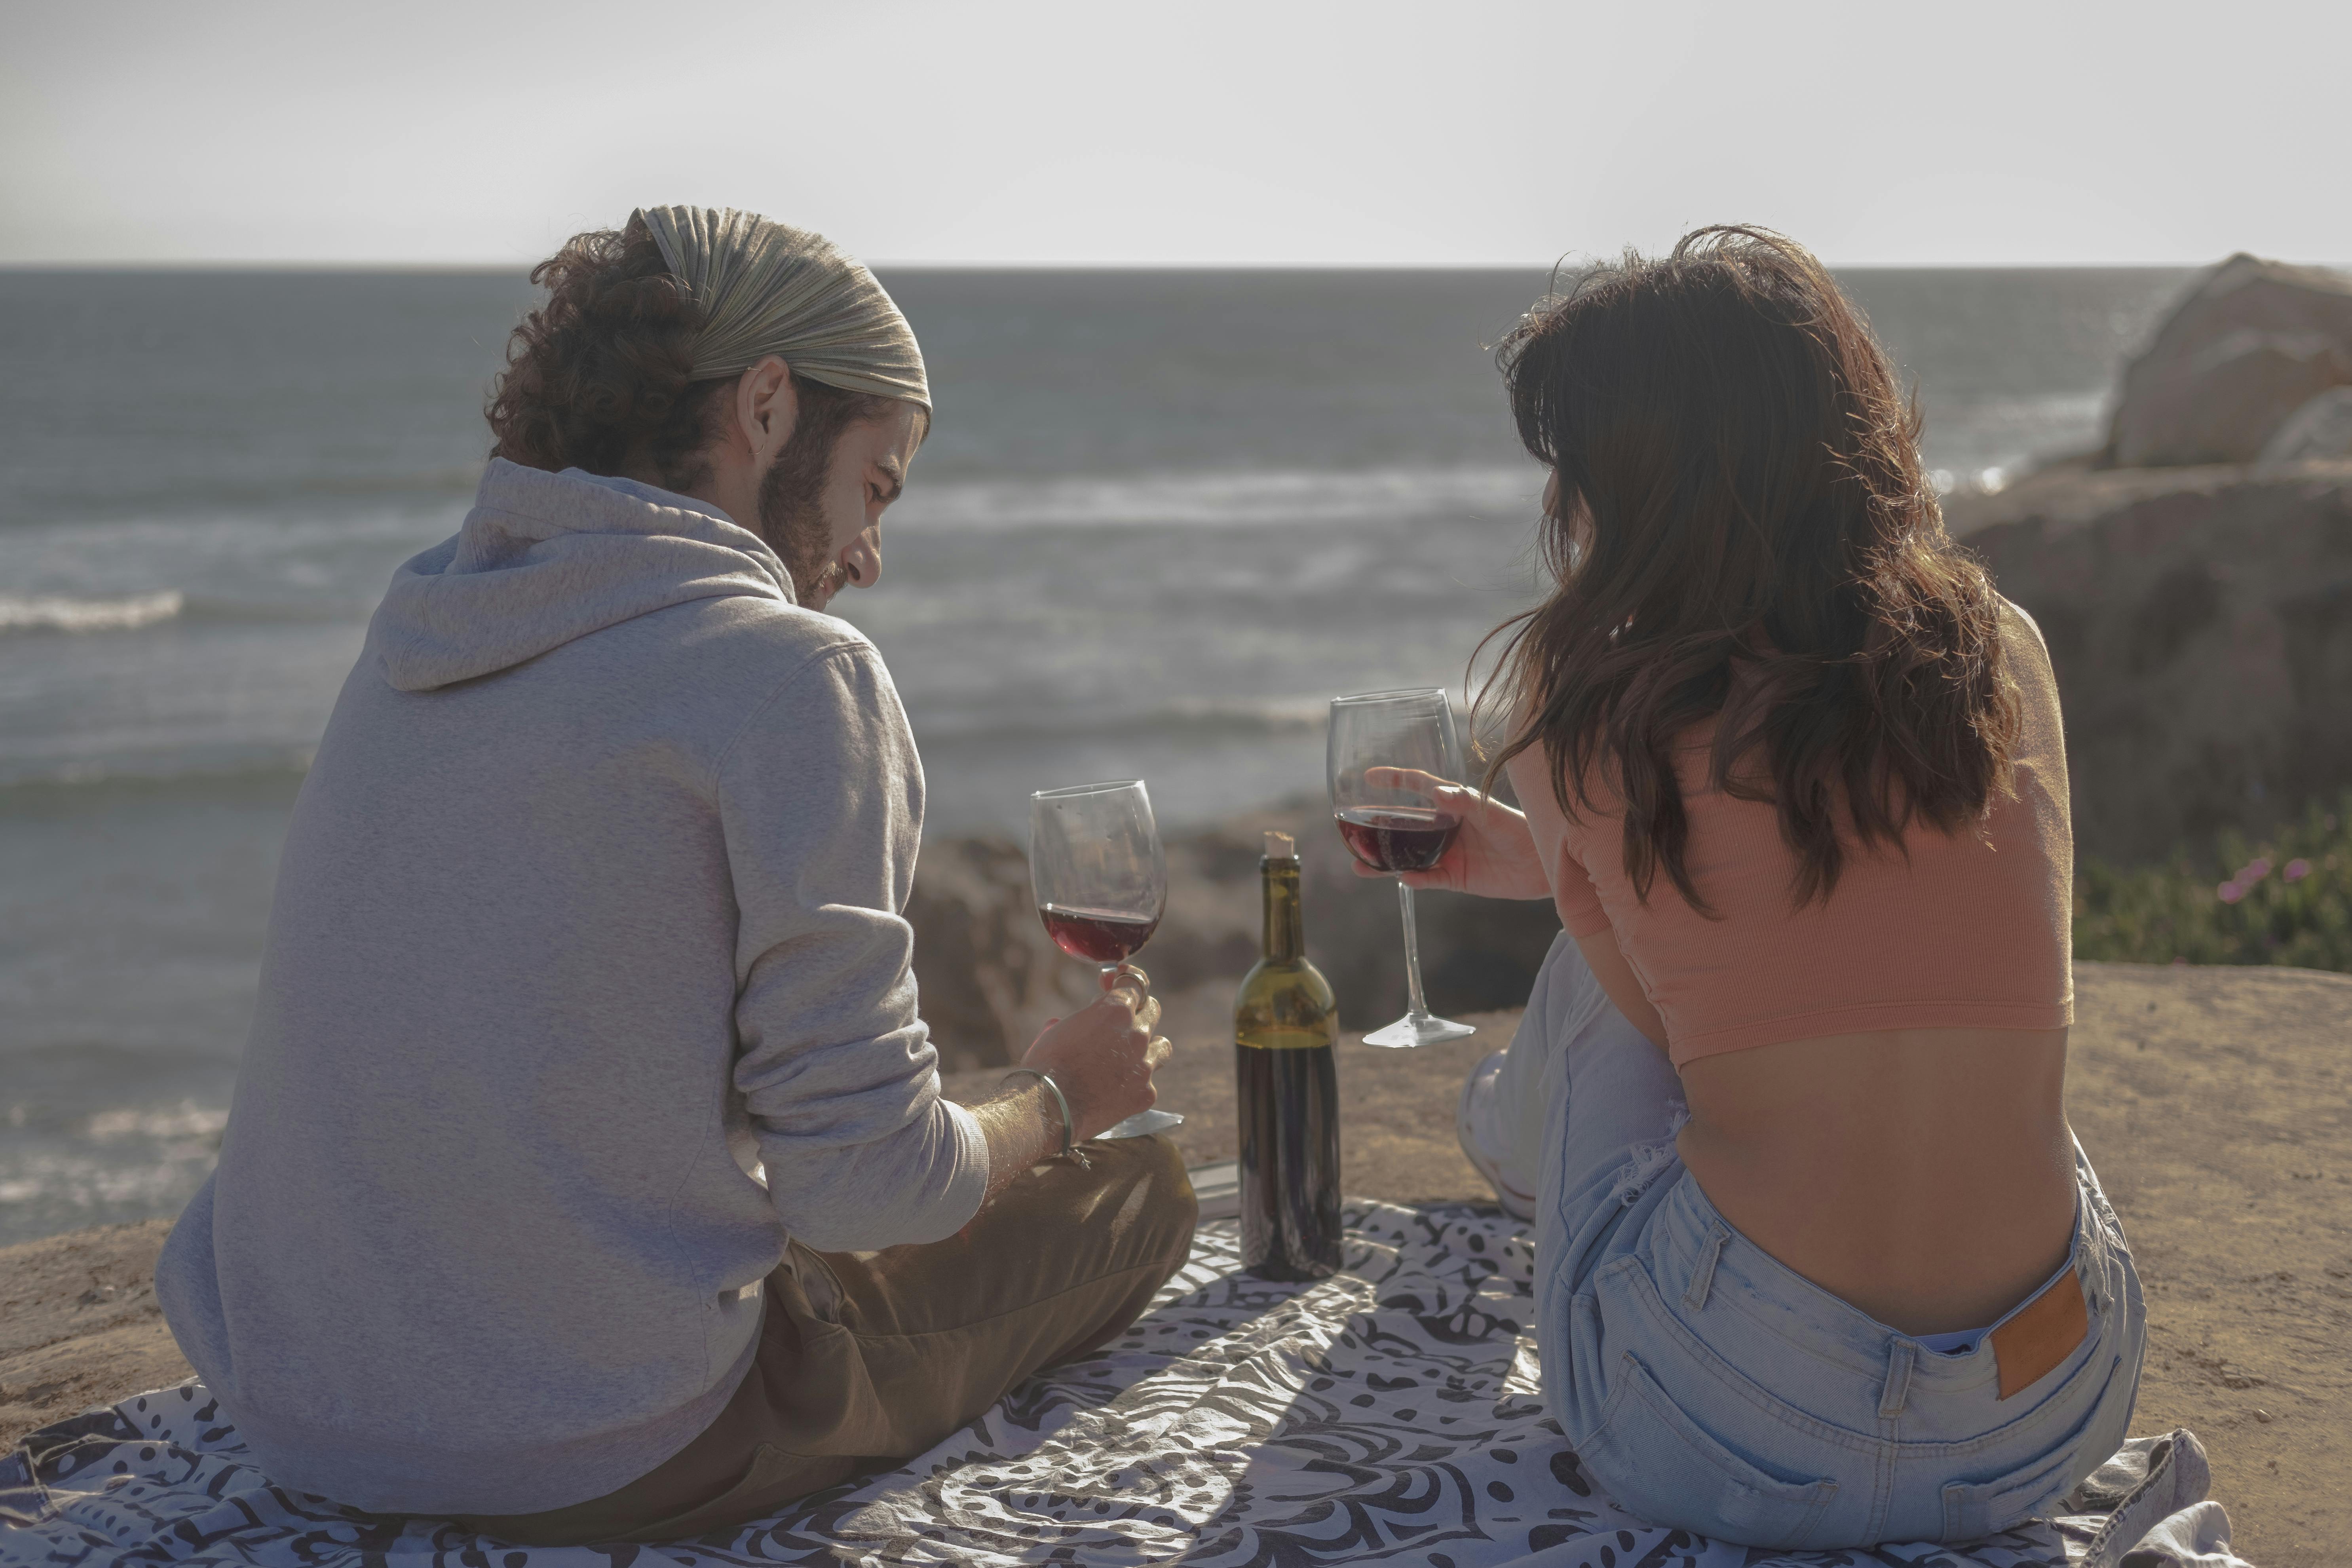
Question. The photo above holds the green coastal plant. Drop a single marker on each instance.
(2287, 902)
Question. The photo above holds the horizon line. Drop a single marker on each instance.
(519, 268)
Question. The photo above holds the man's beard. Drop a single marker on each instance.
(793, 520)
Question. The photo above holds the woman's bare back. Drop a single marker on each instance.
(1924, 1176)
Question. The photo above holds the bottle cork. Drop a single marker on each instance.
(1280, 845)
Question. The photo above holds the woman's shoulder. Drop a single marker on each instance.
(2018, 627)
(2026, 652)
(2041, 734)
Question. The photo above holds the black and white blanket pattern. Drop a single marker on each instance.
(1389, 1414)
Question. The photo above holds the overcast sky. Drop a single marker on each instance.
(1186, 131)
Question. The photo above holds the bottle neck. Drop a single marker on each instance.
(1284, 941)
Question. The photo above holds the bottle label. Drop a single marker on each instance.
(1288, 1102)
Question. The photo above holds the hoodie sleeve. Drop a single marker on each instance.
(821, 799)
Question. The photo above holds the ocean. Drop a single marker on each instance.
(1163, 517)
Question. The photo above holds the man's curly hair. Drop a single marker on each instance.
(600, 376)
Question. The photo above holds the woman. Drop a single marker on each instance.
(1819, 1262)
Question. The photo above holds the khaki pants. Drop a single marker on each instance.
(866, 1359)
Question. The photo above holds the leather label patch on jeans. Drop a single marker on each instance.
(2041, 1335)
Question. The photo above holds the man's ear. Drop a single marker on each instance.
(767, 408)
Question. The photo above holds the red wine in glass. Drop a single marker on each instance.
(1101, 936)
(1389, 755)
(1101, 882)
(1397, 837)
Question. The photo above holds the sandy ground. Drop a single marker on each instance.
(2217, 1104)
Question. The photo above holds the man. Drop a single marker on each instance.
(590, 909)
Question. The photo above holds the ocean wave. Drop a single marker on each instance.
(1215, 499)
(227, 772)
(1197, 719)
(60, 613)
(181, 490)
(185, 1120)
(43, 1191)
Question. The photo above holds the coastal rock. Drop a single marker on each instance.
(2253, 343)
(2318, 432)
(2201, 625)
(80, 1325)
(2225, 403)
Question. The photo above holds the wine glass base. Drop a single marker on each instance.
(1420, 1029)
(1142, 1123)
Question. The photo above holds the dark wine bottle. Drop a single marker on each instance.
(1287, 1090)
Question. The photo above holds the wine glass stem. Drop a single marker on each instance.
(1417, 1008)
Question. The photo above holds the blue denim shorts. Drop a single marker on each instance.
(1707, 1387)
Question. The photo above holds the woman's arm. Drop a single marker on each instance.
(1494, 856)
(1617, 978)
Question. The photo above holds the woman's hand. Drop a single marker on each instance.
(1103, 1054)
(1493, 854)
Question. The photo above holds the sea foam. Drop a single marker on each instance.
(57, 613)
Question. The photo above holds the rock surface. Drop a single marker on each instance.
(78, 1324)
(2252, 342)
(2217, 1104)
(2318, 432)
(2200, 624)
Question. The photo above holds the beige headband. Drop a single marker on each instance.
(768, 289)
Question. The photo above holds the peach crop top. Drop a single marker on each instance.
(1971, 931)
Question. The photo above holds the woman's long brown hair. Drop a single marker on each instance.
(1739, 527)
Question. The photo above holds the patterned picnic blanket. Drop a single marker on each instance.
(1389, 1414)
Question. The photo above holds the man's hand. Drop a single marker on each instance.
(1103, 1056)
(1493, 854)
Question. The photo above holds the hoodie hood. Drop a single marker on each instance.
(545, 557)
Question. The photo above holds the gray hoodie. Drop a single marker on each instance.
(602, 858)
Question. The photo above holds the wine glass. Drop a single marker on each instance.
(1393, 825)
(1101, 881)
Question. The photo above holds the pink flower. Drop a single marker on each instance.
(2229, 892)
(2253, 871)
(2297, 870)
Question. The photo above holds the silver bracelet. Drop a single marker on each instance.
(1069, 1151)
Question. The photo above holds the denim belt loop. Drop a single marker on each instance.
(1702, 1280)
(1902, 1356)
(2086, 1252)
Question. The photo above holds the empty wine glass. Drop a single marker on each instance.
(1101, 881)
(1393, 825)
